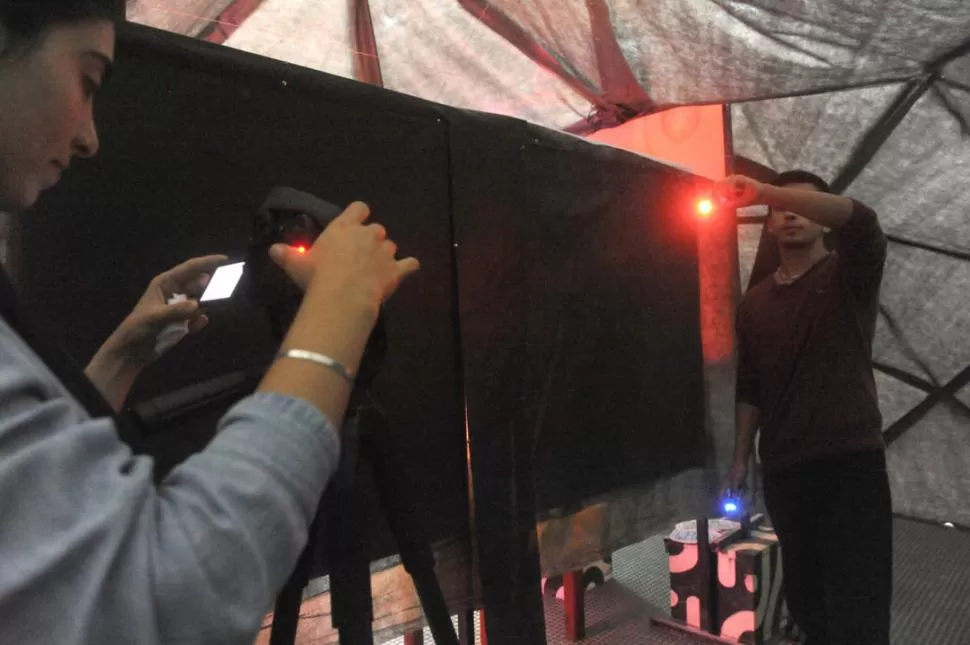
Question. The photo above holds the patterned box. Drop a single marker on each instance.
(750, 604)
(690, 589)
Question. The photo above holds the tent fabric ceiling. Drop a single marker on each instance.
(896, 398)
(926, 295)
(270, 32)
(188, 17)
(919, 178)
(958, 72)
(939, 483)
(815, 127)
(442, 49)
(964, 395)
(808, 81)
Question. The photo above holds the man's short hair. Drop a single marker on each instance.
(790, 177)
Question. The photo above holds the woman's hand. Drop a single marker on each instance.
(350, 260)
(135, 337)
(132, 345)
(348, 273)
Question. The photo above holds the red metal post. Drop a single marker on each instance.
(575, 605)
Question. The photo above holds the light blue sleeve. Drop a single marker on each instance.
(91, 551)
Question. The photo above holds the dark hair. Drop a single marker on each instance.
(801, 177)
(26, 20)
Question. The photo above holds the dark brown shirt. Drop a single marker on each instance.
(805, 352)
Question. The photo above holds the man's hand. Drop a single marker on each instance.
(736, 482)
(738, 191)
(132, 345)
(827, 210)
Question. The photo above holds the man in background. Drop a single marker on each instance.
(805, 381)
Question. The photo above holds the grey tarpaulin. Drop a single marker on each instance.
(809, 81)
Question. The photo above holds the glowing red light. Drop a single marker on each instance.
(301, 249)
(705, 208)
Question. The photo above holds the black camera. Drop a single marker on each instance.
(296, 218)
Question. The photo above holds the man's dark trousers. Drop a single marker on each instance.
(833, 517)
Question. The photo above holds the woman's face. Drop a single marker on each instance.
(47, 107)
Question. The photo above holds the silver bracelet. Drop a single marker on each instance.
(320, 359)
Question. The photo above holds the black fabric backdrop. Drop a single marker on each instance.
(558, 298)
(491, 224)
(194, 137)
(579, 301)
(613, 344)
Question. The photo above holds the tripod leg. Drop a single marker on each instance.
(286, 613)
(338, 518)
(352, 609)
(286, 616)
(466, 627)
(396, 501)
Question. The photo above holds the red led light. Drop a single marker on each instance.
(301, 249)
(705, 208)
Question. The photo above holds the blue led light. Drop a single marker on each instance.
(732, 506)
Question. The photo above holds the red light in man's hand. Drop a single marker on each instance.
(705, 208)
(301, 249)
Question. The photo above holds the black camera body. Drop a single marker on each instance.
(295, 218)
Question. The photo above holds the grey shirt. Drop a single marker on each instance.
(92, 551)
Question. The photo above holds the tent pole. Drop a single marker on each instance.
(367, 62)
(954, 111)
(939, 63)
(620, 87)
(911, 418)
(957, 85)
(501, 24)
(952, 253)
(880, 132)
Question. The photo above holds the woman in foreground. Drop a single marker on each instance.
(91, 551)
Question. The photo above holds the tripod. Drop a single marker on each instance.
(298, 218)
(340, 520)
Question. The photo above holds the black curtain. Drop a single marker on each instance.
(555, 318)
(194, 137)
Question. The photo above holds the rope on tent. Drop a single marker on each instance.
(226, 23)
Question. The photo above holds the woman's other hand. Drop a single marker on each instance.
(132, 345)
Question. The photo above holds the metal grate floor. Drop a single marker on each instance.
(932, 584)
(614, 616)
(642, 568)
(932, 568)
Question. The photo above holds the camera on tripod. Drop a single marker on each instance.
(338, 533)
(297, 219)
